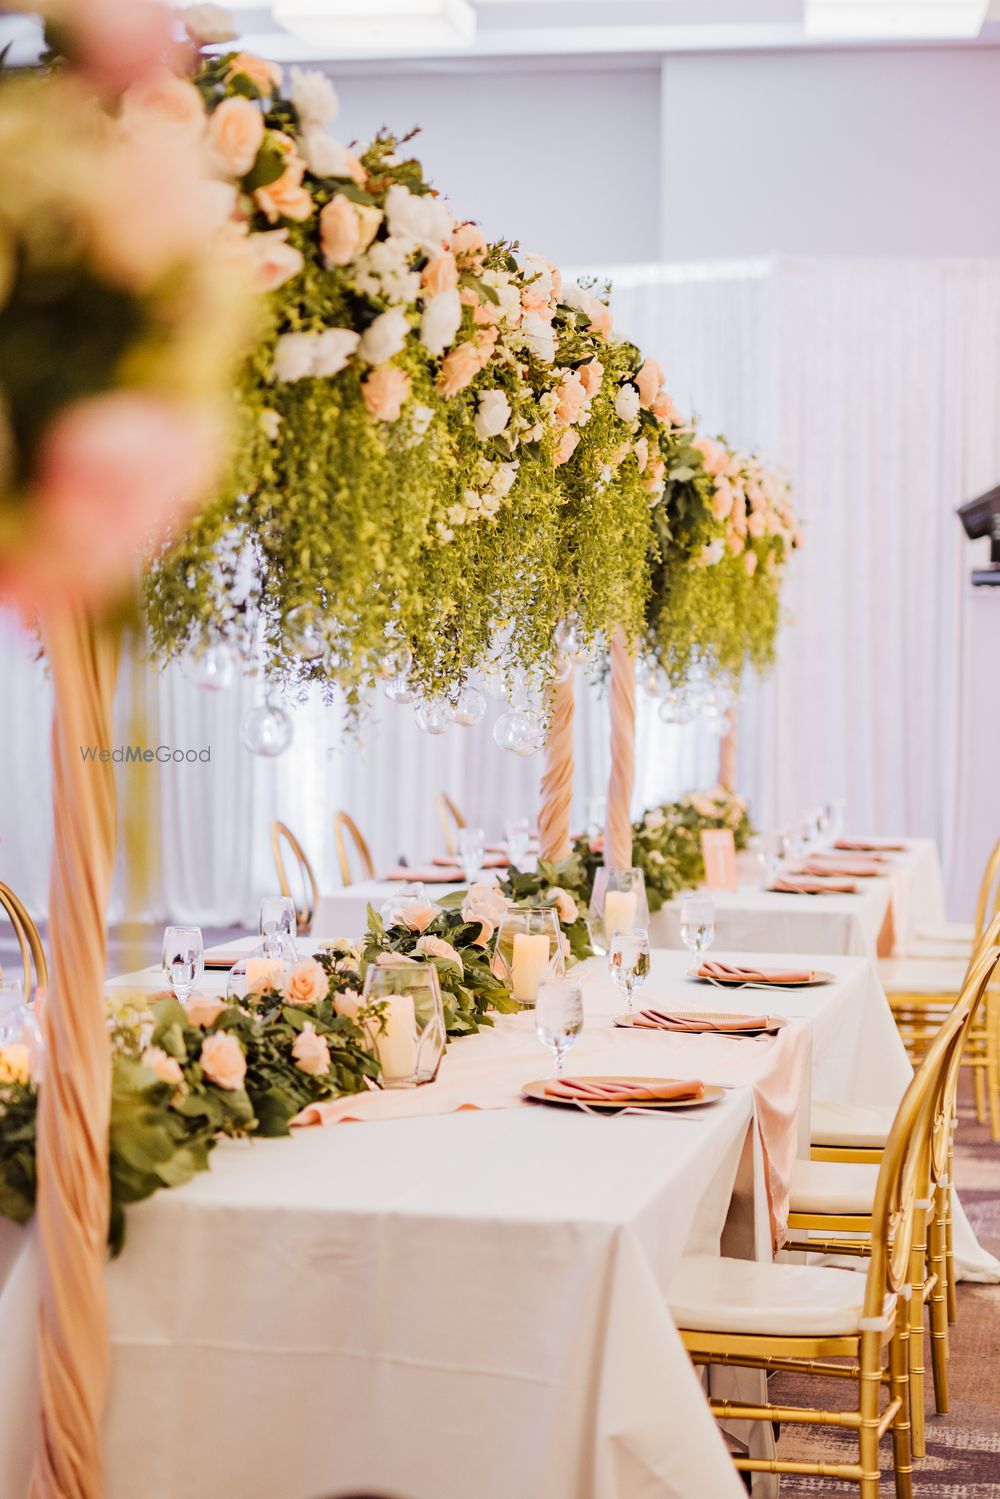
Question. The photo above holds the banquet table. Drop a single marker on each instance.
(455, 1303)
(882, 916)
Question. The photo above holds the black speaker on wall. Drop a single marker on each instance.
(981, 517)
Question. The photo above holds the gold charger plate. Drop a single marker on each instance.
(535, 1090)
(820, 976)
(774, 1023)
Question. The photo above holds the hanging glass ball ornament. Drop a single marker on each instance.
(267, 729)
(677, 708)
(435, 715)
(211, 666)
(568, 638)
(532, 736)
(511, 729)
(397, 663)
(304, 636)
(654, 683)
(470, 708)
(399, 691)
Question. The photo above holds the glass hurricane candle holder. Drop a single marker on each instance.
(528, 950)
(264, 968)
(617, 903)
(409, 1036)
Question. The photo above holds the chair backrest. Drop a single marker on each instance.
(973, 1000)
(343, 823)
(904, 1173)
(450, 819)
(307, 879)
(988, 903)
(33, 962)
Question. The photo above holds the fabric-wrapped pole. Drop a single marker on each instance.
(75, 1095)
(727, 753)
(557, 778)
(618, 818)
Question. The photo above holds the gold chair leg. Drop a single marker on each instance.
(979, 1084)
(869, 1400)
(949, 1255)
(899, 1388)
(917, 1372)
(939, 1313)
(992, 1078)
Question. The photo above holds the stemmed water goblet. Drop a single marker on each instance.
(278, 925)
(629, 960)
(471, 851)
(697, 922)
(559, 1016)
(518, 833)
(183, 958)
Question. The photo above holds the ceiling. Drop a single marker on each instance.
(508, 32)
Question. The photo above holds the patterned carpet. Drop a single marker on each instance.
(963, 1447)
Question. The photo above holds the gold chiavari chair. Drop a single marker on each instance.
(305, 912)
(343, 824)
(834, 1199)
(957, 939)
(799, 1318)
(36, 971)
(450, 819)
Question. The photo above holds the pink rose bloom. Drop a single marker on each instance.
(591, 374)
(275, 261)
(164, 99)
(437, 947)
(648, 382)
(339, 231)
(166, 1067)
(235, 135)
(567, 446)
(485, 314)
(311, 1051)
(115, 44)
(458, 368)
(468, 247)
(415, 915)
(204, 1009)
(222, 1061)
(573, 400)
(384, 392)
(722, 500)
(564, 903)
(714, 454)
(703, 805)
(535, 298)
(307, 983)
(641, 450)
(735, 543)
(265, 75)
(653, 482)
(113, 472)
(440, 274)
(600, 319)
(664, 409)
(750, 563)
(286, 198)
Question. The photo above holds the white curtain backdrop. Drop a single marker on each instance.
(877, 385)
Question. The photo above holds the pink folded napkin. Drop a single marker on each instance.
(660, 1020)
(428, 874)
(869, 846)
(855, 869)
(711, 969)
(624, 1090)
(812, 887)
(224, 959)
(491, 861)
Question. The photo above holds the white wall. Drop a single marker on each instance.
(887, 152)
(565, 161)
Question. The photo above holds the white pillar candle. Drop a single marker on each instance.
(619, 911)
(396, 1042)
(264, 973)
(528, 964)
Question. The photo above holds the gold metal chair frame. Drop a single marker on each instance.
(879, 1352)
(450, 819)
(36, 970)
(310, 889)
(344, 823)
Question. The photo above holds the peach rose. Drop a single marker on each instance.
(459, 367)
(437, 947)
(600, 319)
(235, 135)
(311, 1051)
(591, 374)
(750, 563)
(266, 76)
(286, 198)
(384, 392)
(564, 903)
(664, 409)
(714, 455)
(275, 261)
(222, 1061)
(641, 450)
(648, 382)
(166, 1067)
(416, 915)
(347, 1003)
(534, 298)
(572, 399)
(204, 1009)
(756, 523)
(164, 99)
(468, 247)
(440, 274)
(307, 983)
(567, 445)
(339, 231)
(654, 479)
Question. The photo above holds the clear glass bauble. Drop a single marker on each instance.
(399, 691)
(435, 716)
(569, 641)
(397, 663)
(510, 729)
(532, 735)
(654, 683)
(677, 708)
(212, 666)
(470, 708)
(304, 635)
(267, 730)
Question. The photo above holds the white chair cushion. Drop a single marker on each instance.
(832, 1187)
(922, 975)
(849, 1124)
(960, 933)
(708, 1294)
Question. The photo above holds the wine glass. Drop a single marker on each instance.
(183, 958)
(697, 922)
(278, 925)
(559, 1016)
(628, 960)
(471, 851)
(518, 833)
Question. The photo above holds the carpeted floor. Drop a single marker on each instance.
(963, 1447)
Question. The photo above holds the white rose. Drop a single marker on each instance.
(384, 337)
(420, 419)
(332, 349)
(314, 96)
(574, 295)
(654, 820)
(324, 156)
(493, 414)
(538, 271)
(440, 322)
(293, 356)
(627, 403)
(422, 217)
(713, 552)
(208, 24)
(564, 903)
(503, 479)
(540, 338)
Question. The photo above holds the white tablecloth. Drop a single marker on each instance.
(344, 912)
